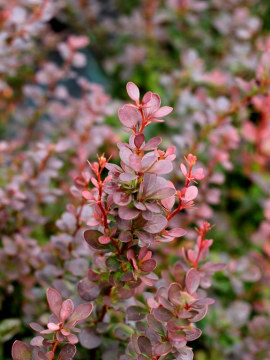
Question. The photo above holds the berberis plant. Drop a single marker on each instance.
(141, 310)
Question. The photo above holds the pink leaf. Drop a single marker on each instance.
(191, 193)
(198, 174)
(152, 143)
(129, 116)
(66, 309)
(55, 302)
(52, 326)
(183, 169)
(20, 351)
(161, 167)
(192, 280)
(163, 111)
(177, 232)
(104, 240)
(134, 162)
(127, 177)
(133, 91)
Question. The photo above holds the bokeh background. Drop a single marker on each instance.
(64, 65)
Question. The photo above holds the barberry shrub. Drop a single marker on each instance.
(138, 309)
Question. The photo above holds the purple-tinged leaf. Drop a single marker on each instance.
(129, 116)
(148, 265)
(125, 236)
(139, 205)
(153, 207)
(121, 198)
(156, 224)
(20, 351)
(89, 338)
(149, 279)
(204, 301)
(201, 312)
(162, 314)
(143, 252)
(128, 276)
(112, 263)
(192, 280)
(193, 334)
(66, 309)
(127, 213)
(42, 356)
(212, 267)
(160, 194)
(133, 91)
(37, 341)
(36, 326)
(145, 346)
(185, 354)
(55, 302)
(174, 293)
(162, 349)
(155, 324)
(191, 193)
(81, 313)
(73, 339)
(91, 237)
(145, 237)
(67, 352)
(135, 313)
